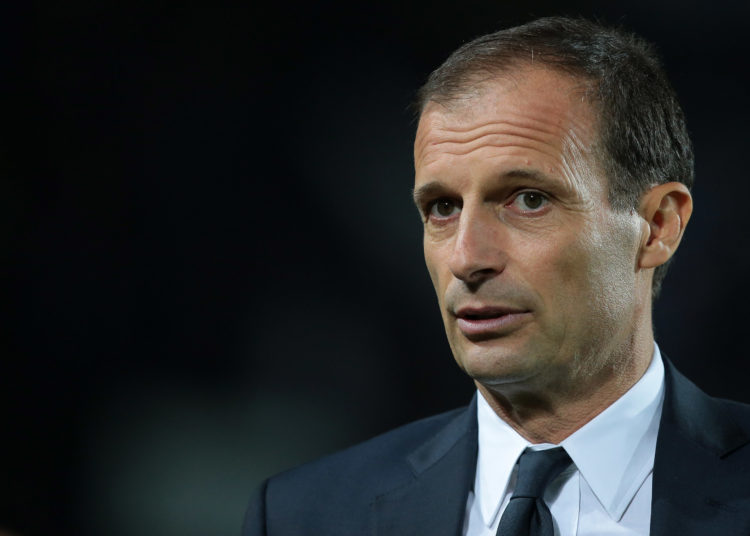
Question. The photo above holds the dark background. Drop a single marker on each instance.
(214, 269)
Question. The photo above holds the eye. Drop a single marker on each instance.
(530, 201)
(443, 208)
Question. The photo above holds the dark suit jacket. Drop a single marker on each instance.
(415, 479)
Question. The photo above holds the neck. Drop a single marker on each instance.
(551, 413)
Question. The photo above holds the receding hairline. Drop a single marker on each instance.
(642, 133)
(585, 120)
(580, 92)
(473, 81)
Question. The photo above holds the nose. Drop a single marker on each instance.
(478, 248)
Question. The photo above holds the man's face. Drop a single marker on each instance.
(536, 275)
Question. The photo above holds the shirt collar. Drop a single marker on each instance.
(614, 452)
(499, 446)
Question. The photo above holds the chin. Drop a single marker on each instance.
(493, 368)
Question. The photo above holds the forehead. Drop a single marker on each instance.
(551, 106)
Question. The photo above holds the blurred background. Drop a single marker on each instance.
(214, 268)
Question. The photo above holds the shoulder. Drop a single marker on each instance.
(373, 461)
(702, 462)
(714, 424)
(334, 495)
(686, 400)
(739, 411)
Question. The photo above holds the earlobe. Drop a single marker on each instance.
(666, 208)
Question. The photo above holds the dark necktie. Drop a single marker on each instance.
(526, 513)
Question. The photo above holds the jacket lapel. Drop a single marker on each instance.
(700, 469)
(434, 500)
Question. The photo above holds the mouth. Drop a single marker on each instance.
(486, 322)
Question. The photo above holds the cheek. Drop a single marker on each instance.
(562, 278)
(570, 272)
(598, 269)
(440, 276)
(432, 261)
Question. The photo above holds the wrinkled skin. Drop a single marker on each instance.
(517, 220)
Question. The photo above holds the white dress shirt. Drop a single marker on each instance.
(607, 489)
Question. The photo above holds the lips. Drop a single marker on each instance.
(489, 321)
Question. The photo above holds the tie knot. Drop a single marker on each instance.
(537, 468)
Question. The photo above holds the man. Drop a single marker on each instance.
(553, 175)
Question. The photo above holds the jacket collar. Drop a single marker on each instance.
(696, 455)
(433, 501)
(694, 460)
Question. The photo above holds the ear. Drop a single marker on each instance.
(666, 208)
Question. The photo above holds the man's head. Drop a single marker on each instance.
(542, 261)
(642, 137)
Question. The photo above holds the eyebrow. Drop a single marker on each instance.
(530, 174)
(437, 188)
(427, 191)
